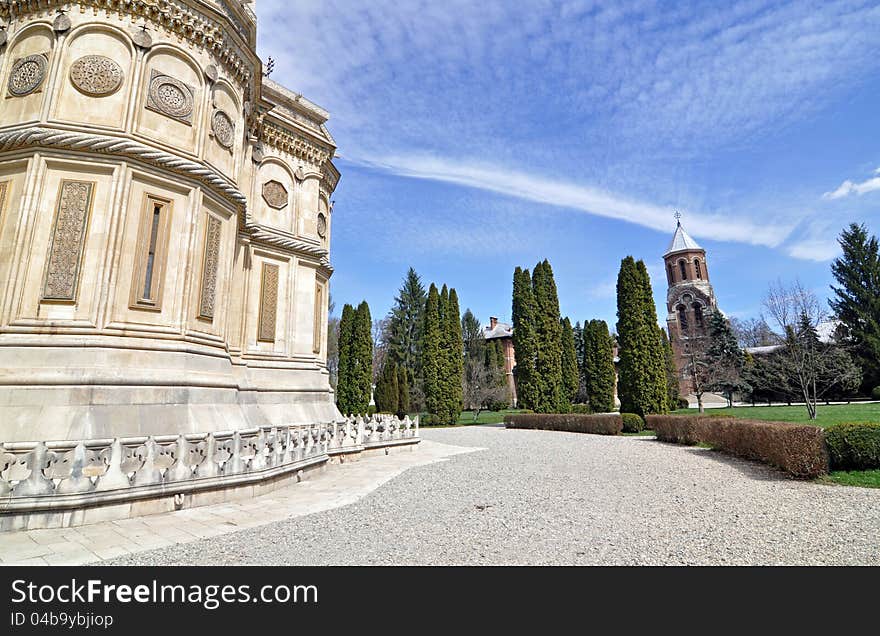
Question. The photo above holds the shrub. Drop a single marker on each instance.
(599, 424)
(683, 403)
(632, 422)
(854, 446)
(798, 449)
(581, 409)
(875, 393)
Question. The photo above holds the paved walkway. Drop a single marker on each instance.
(338, 485)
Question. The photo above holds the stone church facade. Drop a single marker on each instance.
(690, 300)
(165, 224)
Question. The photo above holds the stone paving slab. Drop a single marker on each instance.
(339, 485)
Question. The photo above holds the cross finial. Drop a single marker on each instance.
(677, 216)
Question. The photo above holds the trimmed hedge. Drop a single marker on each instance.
(875, 393)
(598, 424)
(854, 446)
(632, 422)
(798, 449)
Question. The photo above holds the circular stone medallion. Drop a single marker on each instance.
(172, 97)
(322, 226)
(27, 75)
(223, 128)
(96, 75)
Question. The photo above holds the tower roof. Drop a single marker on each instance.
(681, 241)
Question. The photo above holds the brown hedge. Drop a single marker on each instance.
(598, 424)
(798, 449)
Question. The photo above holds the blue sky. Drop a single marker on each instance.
(478, 136)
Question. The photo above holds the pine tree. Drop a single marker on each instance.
(672, 385)
(598, 363)
(524, 339)
(548, 362)
(405, 325)
(857, 299)
(362, 359)
(387, 391)
(725, 358)
(432, 357)
(403, 392)
(344, 390)
(642, 385)
(570, 373)
(475, 345)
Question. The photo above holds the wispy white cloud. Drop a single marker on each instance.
(579, 197)
(848, 187)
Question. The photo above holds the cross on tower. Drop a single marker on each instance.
(677, 216)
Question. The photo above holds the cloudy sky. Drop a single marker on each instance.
(478, 136)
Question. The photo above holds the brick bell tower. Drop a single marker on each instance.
(690, 299)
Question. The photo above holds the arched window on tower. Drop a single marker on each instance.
(670, 274)
(682, 269)
(698, 315)
(698, 269)
(682, 319)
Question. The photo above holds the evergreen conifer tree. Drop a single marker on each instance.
(432, 356)
(344, 382)
(454, 345)
(856, 300)
(387, 391)
(672, 384)
(403, 403)
(548, 362)
(524, 339)
(362, 359)
(570, 374)
(599, 366)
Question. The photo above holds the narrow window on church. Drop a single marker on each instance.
(149, 266)
(698, 269)
(670, 274)
(698, 314)
(681, 267)
(682, 318)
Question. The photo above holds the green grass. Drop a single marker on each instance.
(827, 415)
(645, 433)
(863, 478)
(485, 417)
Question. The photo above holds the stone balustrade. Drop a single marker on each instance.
(48, 478)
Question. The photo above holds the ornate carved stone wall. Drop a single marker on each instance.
(68, 237)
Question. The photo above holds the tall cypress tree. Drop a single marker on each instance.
(455, 360)
(856, 300)
(642, 377)
(432, 356)
(344, 383)
(599, 366)
(659, 394)
(386, 394)
(570, 374)
(524, 339)
(548, 362)
(673, 387)
(362, 359)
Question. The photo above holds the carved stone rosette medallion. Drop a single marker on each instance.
(223, 128)
(322, 225)
(170, 97)
(96, 75)
(27, 74)
(275, 194)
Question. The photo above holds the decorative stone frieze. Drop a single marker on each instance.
(96, 75)
(209, 267)
(268, 303)
(68, 240)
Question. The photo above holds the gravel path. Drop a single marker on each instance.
(536, 498)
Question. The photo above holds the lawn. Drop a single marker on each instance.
(863, 478)
(485, 417)
(827, 415)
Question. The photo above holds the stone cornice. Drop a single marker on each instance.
(261, 234)
(173, 15)
(294, 143)
(329, 178)
(122, 147)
